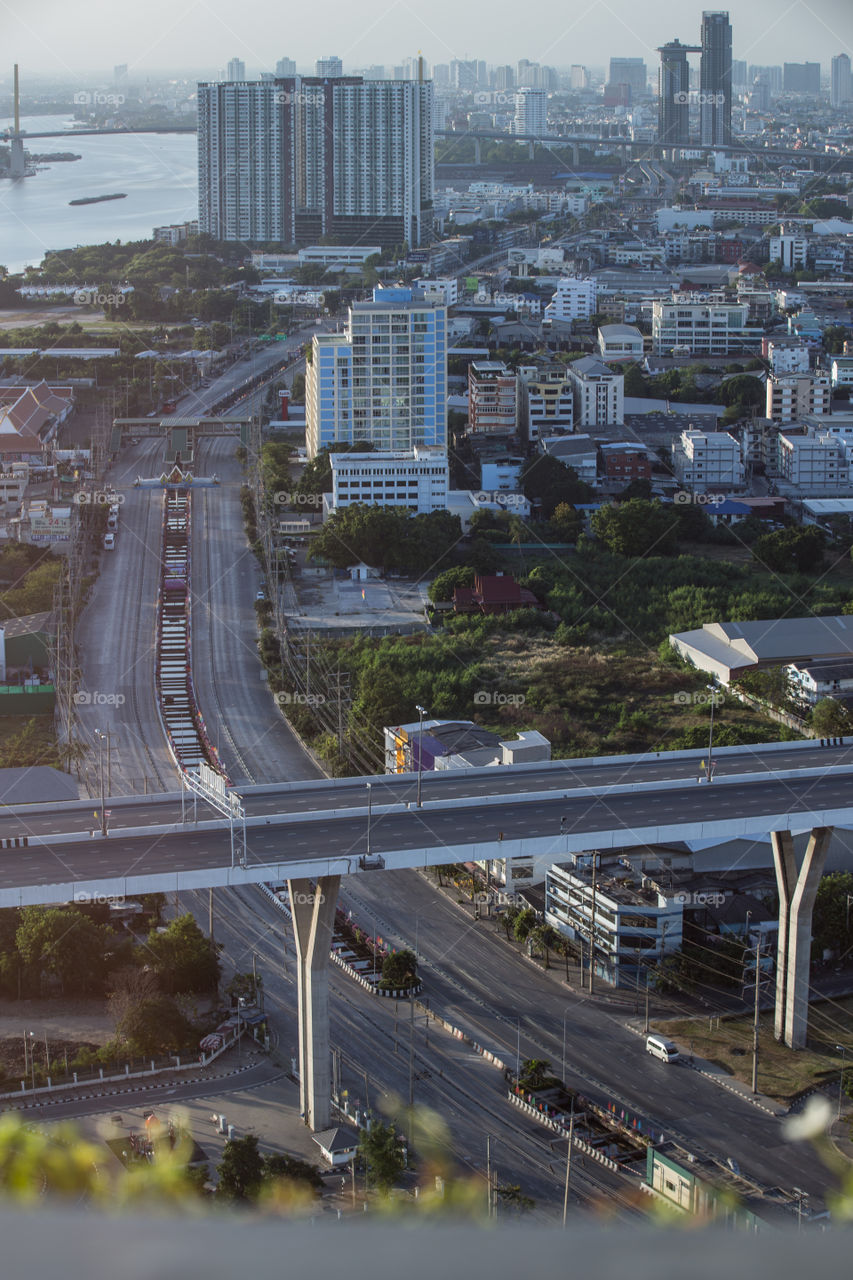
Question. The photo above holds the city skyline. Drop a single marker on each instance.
(71, 42)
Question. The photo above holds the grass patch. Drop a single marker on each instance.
(782, 1072)
(28, 741)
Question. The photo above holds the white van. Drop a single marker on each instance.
(660, 1047)
(109, 542)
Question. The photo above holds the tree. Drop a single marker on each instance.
(636, 528)
(277, 1168)
(511, 1195)
(183, 957)
(546, 481)
(382, 1155)
(62, 944)
(566, 522)
(240, 1170)
(400, 969)
(524, 924)
(535, 1074)
(830, 719)
(832, 924)
(443, 584)
(154, 1026)
(791, 550)
(744, 390)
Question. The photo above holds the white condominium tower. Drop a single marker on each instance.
(296, 159)
(384, 380)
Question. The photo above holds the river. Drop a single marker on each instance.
(158, 172)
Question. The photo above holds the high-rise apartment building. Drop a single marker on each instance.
(801, 77)
(384, 380)
(739, 80)
(330, 68)
(773, 76)
(841, 86)
(630, 71)
(463, 75)
(236, 70)
(574, 299)
(715, 80)
(285, 67)
(578, 78)
(298, 159)
(674, 94)
(504, 78)
(531, 113)
(792, 395)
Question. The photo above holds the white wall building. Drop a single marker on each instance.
(705, 460)
(812, 464)
(384, 380)
(599, 393)
(841, 371)
(785, 358)
(575, 299)
(791, 395)
(416, 478)
(531, 113)
(620, 342)
(444, 289)
(336, 255)
(699, 326)
(789, 250)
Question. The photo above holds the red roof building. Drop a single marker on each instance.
(493, 593)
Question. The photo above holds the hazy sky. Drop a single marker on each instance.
(74, 37)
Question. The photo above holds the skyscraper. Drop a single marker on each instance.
(674, 94)
(236, 70)
(296, 159)
(330, 68)
(285, 67)
(531, 113)
(801, 77)
(715, 80)
(630, 71)
(841, 89)
(383, 380)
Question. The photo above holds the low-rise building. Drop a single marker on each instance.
(620, 342)
(704, 460)
(811, 463)
(337, 255)
(444, 289)
(727, 649)
(789, 250)
(625, 460)
(627, 924)
(809, 682)
(492, 398)
(574, 299)
(841, 371)
(545, 402)
(580, 452)
(791, 395)
(415, 478)
(708, 326)
(599, 393)
(788, 357)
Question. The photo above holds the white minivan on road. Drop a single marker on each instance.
(660, 1047)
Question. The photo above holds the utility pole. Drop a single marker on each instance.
(755, 1014)
(569, 1163)
(646, 1023)
(489, 1175)
(595, 858)
(411, 1071)
(421, 712)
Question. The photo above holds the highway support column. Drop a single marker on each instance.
(797, 894)
(313, 907)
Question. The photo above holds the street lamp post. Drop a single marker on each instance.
(369, 811)
(421, 713)
(565, 1015)
(713, 690)
(100, 736)
(839, 1048)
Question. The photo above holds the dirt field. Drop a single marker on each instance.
(80, 1020)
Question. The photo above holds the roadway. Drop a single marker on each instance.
(196, 855)
(374, 1037)
(224, 587)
